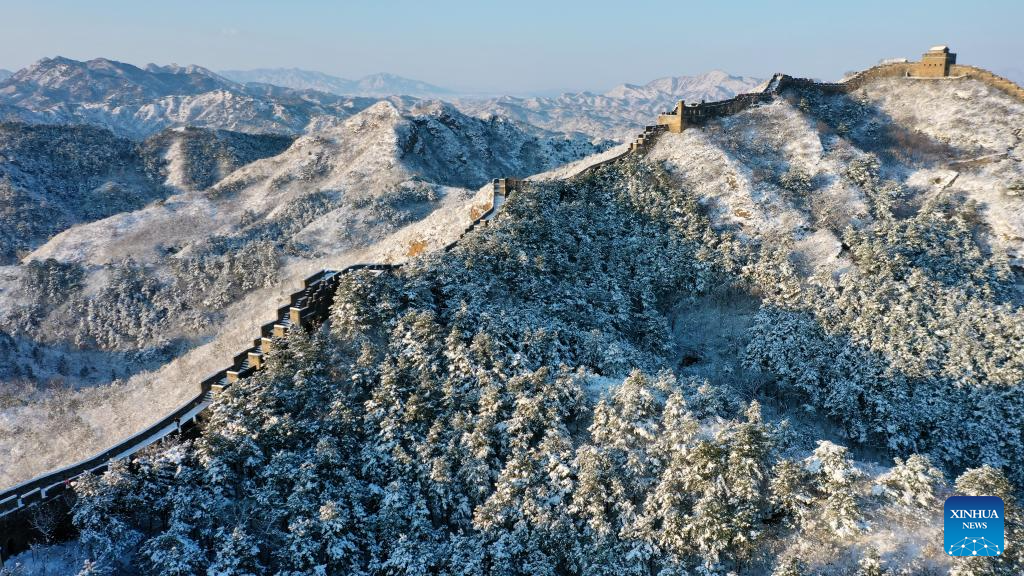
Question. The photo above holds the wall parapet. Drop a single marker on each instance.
(903, 70)
(993, 80)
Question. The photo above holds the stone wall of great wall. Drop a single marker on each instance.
(993, 80)
(311, 305)
(684, 116)
(903, 70)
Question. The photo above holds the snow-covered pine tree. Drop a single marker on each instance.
(835, 479)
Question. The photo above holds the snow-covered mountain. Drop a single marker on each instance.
(710, 86)
(5, 74)
(617, 114)
(197, 158)
(155, 294)
(379, 153)
(137, 102)
(53, 177)
(372, 85)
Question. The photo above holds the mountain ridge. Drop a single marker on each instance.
(380, 84)
(137, 102)
(616, 114)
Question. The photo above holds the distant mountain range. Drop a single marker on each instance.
(615, 114)
(710, 86)
(5, 74)
(373, 85)
(137, 102)
(618, 113)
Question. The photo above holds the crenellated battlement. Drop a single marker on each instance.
(683, 115)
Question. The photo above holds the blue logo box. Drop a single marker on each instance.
(973, 526)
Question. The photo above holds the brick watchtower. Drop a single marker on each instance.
(935, 63)
(674, 119)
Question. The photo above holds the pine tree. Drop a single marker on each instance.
(912, 483)
(870, 564)
(788, 492)
(172, 553)
(237, 554)
(100, 518)
(835, 478)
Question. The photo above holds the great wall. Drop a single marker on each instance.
(311, 305)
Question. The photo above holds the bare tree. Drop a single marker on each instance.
(45, 518)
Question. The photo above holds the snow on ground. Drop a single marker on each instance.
(334, 159)
(573, 168)
(55, 560)
(175, 157)
(139, 234)
(968, 114)
(986, 127)
(735, 192)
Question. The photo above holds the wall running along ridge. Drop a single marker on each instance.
(311, 305)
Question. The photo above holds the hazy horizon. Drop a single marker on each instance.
(538, 48)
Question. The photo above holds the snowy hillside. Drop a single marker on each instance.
(373, 85)
(158, 296)
(617, 114)
(137, 102)
(197, 158)
(786, 167)
(772, 345)
(53, 177)
(378, 160)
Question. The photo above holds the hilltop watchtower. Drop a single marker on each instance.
(935, 63)
(674, 119)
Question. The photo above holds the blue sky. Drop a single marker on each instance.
(516, 46)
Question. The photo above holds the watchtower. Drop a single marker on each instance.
(674, 119)
(935, 63)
